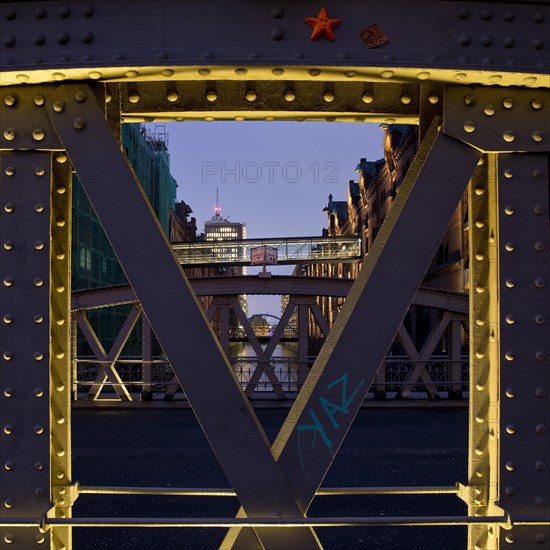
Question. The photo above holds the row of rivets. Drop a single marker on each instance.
(507, 102)
(39, 40)
(508, 41)
(41, 12)
(508, 15)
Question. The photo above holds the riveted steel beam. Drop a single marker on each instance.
(498, 119)
(198, 361)
(279, 284)
(472, 42)
(524, 344)
(340, 378)
(261, 99)
(26, 323)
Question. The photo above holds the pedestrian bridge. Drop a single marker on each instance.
(291, 250)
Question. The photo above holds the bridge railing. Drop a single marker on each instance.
(450, 377)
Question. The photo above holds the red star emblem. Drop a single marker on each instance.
(322, 25)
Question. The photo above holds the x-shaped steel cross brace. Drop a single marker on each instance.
(289, 474)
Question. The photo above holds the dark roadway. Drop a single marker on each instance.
(166, 448)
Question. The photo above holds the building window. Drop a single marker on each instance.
(85, 259)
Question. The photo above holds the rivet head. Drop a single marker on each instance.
(10, 100)
(508, 136)
(540, 538)
(486, 40)
(10, 171)
(64, 12)
(510, 429)
(9, 41)
(79, 123)
(509, 16)
(509, 246)
(510, 393)
(87, 10)
(62, 38)
(469, 126)
(509, 538)
(538, 43)
(8, 392)
(540, 428)
(38, 281)
(290, 95)
(9, 134)
(510, 466)
(510, 355)
(10, 14)
(8, 281)
(469, 100)
(9, 503)
(38, 356)
(9, 208)
(508, 173)
(39, 208)
(539, 319)
(277, 34)
(38, 245)
(60, 222)
(38, 429)
(539, 283)
(464, 40)
(211, 96)
(328, 97)
(172, 96)
(38, 466)
(9, 465)
(538, 209)
(133, 97)
(8, 319)
(39, 171)
(540, 393)
(251, 95)
(406, 99)
(7, 355)
(507, 102)
(537, 136)
(40, 538)
(510, 283)
(540, 465)
(540, 501)
(80, 96)
(39, 492)
(8, 429)
(367, 97)
(39, 40)
(536, 104)
(433, 99)
(537, 174)
(38, 392)
(38, 134)
(539, 246)
(489, 110)
(509, 210)
(8, 245)
(509, 491)
(59, 106)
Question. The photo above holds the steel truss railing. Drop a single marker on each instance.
(392, 377)
(289, 251)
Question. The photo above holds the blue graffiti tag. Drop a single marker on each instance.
(330, 409)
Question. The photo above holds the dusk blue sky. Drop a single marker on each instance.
(273, 176)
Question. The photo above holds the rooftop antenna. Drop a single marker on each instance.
(217, 209)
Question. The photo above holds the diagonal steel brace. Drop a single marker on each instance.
(374, 309)
(224, 413)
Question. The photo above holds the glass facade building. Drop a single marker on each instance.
(94, 260)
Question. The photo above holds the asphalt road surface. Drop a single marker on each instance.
(166, 448)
